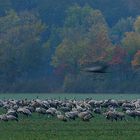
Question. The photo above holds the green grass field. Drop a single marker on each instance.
(39, 127)
(43, 128)
(71, 96)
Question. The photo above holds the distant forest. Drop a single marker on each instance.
(44, 44)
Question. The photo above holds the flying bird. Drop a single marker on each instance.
(97, 69)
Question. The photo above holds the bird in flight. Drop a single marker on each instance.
(100, 68)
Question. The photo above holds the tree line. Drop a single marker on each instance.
(44, 45)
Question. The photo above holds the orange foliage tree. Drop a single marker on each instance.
(136, 61)
(118, 55)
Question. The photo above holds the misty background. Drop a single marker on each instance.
(44, 44)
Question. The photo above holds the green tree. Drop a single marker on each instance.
(5, 5)
(117, 32)
(20, 45)
(137, 25)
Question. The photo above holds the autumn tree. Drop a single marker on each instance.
(85, 38)
(136, 60)
(131, 42)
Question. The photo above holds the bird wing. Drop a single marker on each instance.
(92, 69)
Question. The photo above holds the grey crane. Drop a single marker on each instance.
(97, 69)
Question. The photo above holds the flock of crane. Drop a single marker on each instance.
(66, 110)
(70, 109)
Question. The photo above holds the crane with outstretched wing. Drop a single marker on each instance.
(97, 68)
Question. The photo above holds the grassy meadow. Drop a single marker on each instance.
(40, 127)
(99, 96)
(43, 128)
